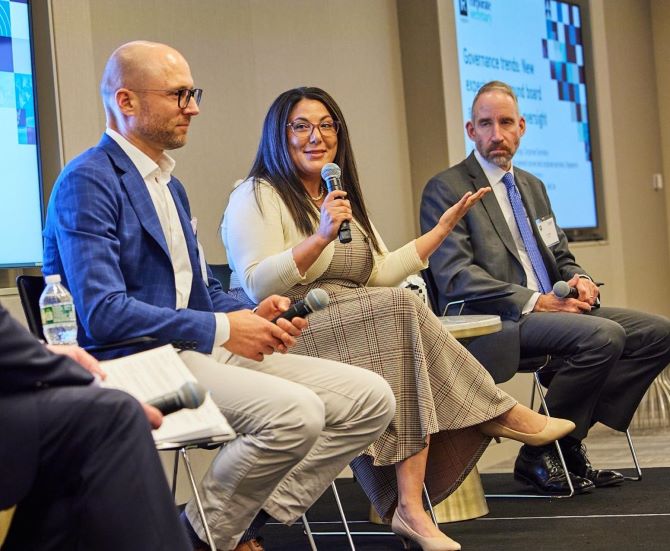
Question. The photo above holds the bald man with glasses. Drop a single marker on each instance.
(120, 232)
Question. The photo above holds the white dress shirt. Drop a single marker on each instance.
(494, 175)
(156, 176)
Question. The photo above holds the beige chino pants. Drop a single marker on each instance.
(300, 421)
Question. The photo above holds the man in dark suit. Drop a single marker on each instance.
(120, 232)
(77, 460)
(510, 243)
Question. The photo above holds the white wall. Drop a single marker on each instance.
(660, 18)
(641, 218)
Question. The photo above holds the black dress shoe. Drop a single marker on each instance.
(545, 473)
(578, 463)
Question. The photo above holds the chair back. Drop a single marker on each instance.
(431, 290)
(30, 288)
(222, 273)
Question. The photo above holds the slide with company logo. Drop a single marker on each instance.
(20, 190)
(536, 46)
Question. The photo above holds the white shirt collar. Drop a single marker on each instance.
(142, 162)
(493, 172)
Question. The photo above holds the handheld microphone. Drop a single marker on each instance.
(563, 290)
(190, 395)
(331, 174)
(316, 299)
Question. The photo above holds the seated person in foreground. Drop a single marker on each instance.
(77, 460)
(119, 231)
(611, 355)
(280, 230)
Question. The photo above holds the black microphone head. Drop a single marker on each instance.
(192, 395)
(316, 299)
(330, 170)
(561, 289)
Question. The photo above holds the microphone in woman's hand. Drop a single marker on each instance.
(316, 299)
(331, 174)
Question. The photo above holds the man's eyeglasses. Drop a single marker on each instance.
(183, 95)
(303, 128)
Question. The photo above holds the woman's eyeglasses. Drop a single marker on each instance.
(303, 128)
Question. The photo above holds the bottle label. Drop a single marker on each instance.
(58, 313)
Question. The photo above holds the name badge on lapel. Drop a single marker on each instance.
(201, 252)
(547, 229)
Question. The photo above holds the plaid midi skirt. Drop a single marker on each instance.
(441, 390)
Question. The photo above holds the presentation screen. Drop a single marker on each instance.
(20, 185)
(537, 47)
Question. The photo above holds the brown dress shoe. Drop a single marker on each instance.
(251, 545)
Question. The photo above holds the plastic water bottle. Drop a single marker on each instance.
(59, 321)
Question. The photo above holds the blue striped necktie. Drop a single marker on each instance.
(527, 233)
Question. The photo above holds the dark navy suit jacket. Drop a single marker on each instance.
(479, 257)
(104, 237)
(26, 367)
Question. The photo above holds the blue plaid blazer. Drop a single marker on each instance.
(103, 236)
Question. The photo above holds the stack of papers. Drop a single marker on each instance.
(160, 371)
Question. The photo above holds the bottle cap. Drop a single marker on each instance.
(53, 278)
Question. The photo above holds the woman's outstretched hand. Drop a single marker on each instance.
(428, 243)
(457, 211)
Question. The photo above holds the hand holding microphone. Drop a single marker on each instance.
(562, 289)
(190, 395)
(316, 299)
(331, 174)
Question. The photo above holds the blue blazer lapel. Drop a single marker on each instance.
(479, 180)
(189, 234)
(137, 191)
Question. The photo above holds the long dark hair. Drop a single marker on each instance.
(273, 162)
